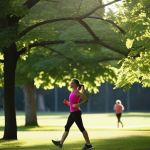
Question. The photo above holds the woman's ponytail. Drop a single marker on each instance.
(81, 88)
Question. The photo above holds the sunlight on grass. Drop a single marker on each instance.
(96, 120)
(100, 140)
(102, 135)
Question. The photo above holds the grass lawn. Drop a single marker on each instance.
(101, 128)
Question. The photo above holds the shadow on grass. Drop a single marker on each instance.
(118, 143)
(37, 128)
(22, 113)
(73, 128)
(131, 115)
(54, 117)
(52, 113)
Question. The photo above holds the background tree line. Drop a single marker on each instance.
(134, 100)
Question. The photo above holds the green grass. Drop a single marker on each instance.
(101, 128)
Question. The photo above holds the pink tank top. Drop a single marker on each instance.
(73, 99)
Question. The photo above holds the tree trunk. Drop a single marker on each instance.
(30, 106)
(10, 60)
(41, 104)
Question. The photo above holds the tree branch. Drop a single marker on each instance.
(30, 3)
(53, 0)
(22, 51)
(108, 59)
(61, 19)
(121, 30)
(79, 6)
(98, 41)
(61, 54)
(88, 29)
(83, 41)
(113, 49)
(42, 43)
(96, 8)
(42, 23)
(1, 60)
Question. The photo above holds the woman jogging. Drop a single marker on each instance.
(118, 107)
(75, 114)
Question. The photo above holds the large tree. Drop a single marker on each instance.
(55, 65)
(12, 30)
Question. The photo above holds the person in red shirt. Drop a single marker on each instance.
(118, 107)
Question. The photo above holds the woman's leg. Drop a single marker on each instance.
(118, 119)
(86, 137)
(78, 120)
(64, 136)
(70, 121)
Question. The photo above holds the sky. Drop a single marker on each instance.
(113, 6)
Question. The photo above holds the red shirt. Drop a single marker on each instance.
(118, 108)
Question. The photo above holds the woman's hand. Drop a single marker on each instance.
(75, 106)
(66, 102)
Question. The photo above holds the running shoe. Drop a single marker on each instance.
(87, 147)
(57, 143)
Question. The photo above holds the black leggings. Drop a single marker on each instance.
(118, 117)
(75, 117)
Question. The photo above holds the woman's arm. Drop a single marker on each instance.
(115, 107)
(66, 102)
(83, 97)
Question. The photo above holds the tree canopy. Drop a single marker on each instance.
(45, 62)
(134, 17)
